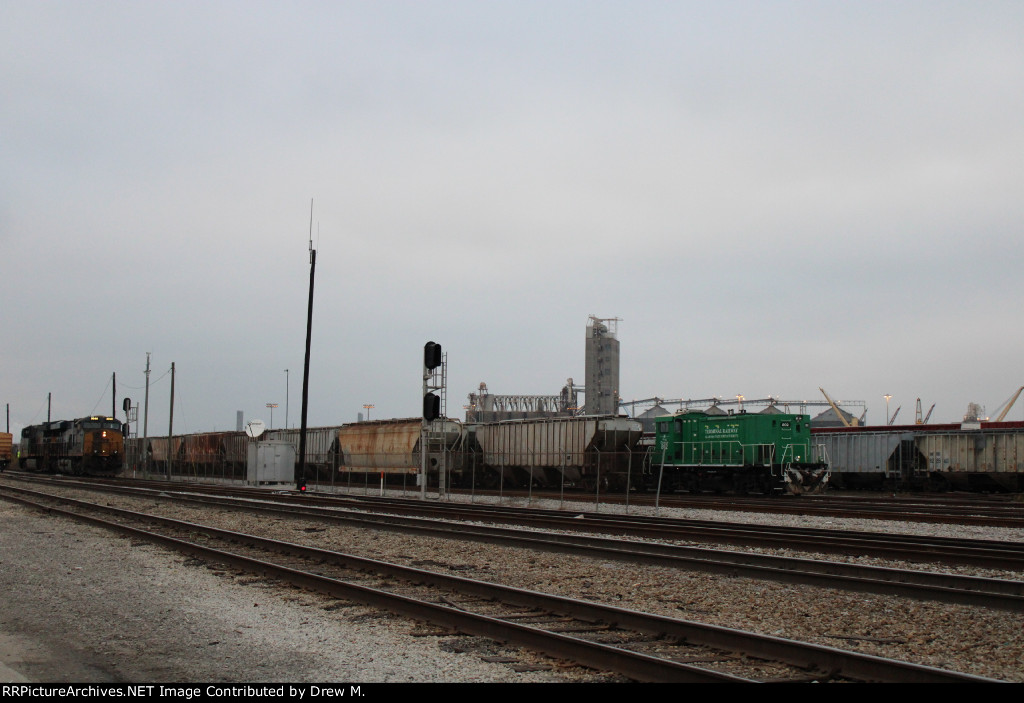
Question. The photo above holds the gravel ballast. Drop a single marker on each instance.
(268, 633)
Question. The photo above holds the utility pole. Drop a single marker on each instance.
(145, 426)
(170, 426)
(300, 472)
(113, 396)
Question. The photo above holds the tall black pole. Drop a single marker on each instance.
(170, 425)
(145, 427)
(300, 475)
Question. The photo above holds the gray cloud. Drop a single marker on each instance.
(772, 197)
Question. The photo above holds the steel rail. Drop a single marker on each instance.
(623, 524)
(1004, 594)
(898, 509)
(801, 654)
(904, 509)
(914, 548)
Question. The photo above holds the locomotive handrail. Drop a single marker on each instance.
(708, 446)
(790, 450)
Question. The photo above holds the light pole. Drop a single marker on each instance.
(368, 408)
(287, 396)
(887, 409)
(271, 406)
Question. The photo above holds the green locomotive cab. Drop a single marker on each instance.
(764, 453)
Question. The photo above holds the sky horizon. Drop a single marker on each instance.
(772, 197)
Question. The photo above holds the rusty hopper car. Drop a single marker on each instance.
(585, 451)
(392, 447)
(88, 445)
(6, 449)
(158, 459)
(211, 454)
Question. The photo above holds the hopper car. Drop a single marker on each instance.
(743, 452)
(6, 449)
(583, 451)
(978, 457)
(333, 454)
(580, 450)
(88, 445)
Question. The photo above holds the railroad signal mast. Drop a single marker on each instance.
(435, 405)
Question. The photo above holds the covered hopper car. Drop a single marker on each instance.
(980, 457)
(584, 451)
(6, 449)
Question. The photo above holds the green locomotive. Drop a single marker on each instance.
(763, 453)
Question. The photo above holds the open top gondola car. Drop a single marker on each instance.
(765, 453)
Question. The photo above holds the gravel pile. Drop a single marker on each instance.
(964, 638)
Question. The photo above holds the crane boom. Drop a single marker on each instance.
(1009, 404)
(835, 408)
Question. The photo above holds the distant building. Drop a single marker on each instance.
(830, 419)
(485, 407)
(647, 417)
(601, 367)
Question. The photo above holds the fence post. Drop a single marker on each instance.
(661, 474)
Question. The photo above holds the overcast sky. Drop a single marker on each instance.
(772, 196)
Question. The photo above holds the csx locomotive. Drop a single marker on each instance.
(89, 445)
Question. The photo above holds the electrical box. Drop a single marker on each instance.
(272, 461)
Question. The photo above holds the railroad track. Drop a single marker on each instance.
(901, 508)
(1005, 594)
(930, 509)
(914, 548)
(889, 507)
(640, 646)
(990, 554)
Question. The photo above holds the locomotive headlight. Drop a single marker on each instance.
(104, 434)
